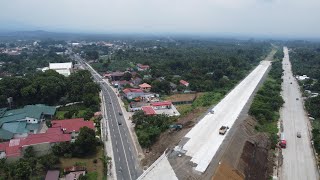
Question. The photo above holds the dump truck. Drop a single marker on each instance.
(223, 130)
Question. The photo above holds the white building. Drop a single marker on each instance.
(62, 68)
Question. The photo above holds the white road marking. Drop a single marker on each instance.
(125, 155)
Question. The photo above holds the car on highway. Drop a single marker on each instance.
(223, 130)
(298, 134)
(291, 83)
(297, 99)
(119, 123)
(120, 113)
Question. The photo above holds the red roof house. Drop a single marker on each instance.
(71, 125)
(163, 103)
(131, 93)
(14, 147)
(185, 83)
(145, 87)
(142, 67)
(148, 110)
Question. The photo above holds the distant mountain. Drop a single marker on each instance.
(9, 26)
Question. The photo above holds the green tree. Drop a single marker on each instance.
(86, 142)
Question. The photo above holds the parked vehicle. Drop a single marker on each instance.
(223, 130)
(283, 142)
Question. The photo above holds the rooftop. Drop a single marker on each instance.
(184, 82)
(67, 65)
(148, 110)
(127, 90)
(32, 111)
(53, 135)
(70, 125)
(52, 175)
(163, 103)
(144, 85)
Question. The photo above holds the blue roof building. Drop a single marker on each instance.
(20, 122)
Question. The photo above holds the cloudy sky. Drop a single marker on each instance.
(259, 17)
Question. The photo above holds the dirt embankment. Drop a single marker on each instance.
(247, 156)
(171, 139)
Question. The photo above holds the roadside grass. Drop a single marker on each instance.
(184, 109)
(208, 99)
(95, 170)
(60, 114)
(92, 175)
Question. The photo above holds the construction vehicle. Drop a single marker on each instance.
(283, 142)
(223, 130)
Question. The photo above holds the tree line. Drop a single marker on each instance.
(267, 103)
(50, 88)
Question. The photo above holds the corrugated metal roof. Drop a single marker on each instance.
(67, 65)
(32, 126)
(4, 134)
(32, 111)
(15, 127)
(2, 111)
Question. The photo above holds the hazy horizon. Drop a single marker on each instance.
(270, 18)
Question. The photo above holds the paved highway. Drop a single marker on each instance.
(125, 157)
(298, 159)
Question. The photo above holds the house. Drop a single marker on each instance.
(116, 76)
(145, 87)
(148, 110)
(120, 84)
(184, 83)
(136, 106)
(136, 81)
(41, 143)
(161, 105)
(142, 67)
(52, 175)
(19, 123)
(62, 68)
(131, 93)
(72, 126)
(74, 175)
(173, 86)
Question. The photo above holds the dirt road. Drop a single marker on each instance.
(298, 160)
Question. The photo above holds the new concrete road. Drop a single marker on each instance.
(124, 155)
(298, 159)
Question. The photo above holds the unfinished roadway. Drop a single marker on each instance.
(203, 141)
